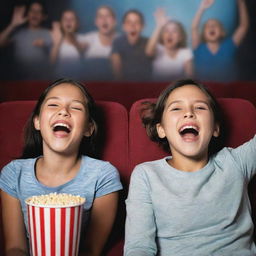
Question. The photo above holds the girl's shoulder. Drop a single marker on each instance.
(19, 164)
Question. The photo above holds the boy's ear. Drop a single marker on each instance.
(36, 123)
(160, 131)
(89, 129)
(216, 131)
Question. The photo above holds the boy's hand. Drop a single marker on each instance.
(18, 16)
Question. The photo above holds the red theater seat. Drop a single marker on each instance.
(240, 116)
(114, 149)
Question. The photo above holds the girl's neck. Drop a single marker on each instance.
(213, 46)
(106, 39)
(172, 52)
(56, 170)
(188, 164)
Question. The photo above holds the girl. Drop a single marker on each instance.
(67, 50)
(167, 46)
(194, 202)
(59, 133)
(215, 52)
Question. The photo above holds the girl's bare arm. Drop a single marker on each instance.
(13, 226)
(242, 28)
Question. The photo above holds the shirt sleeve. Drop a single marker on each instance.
(8, 180)
(108, 181)
(140, 227)
(245, 156)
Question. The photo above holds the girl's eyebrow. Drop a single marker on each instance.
(196, 101)
(57, 98)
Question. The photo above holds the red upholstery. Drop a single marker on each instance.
(240, 116)
(125, 93)
(241, 124)
(115, 148)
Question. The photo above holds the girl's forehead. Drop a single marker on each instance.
(188, 92)
(67, 90)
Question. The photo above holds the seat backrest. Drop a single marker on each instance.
(240, 116)
(115, 117)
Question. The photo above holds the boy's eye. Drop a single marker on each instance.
(52, 105)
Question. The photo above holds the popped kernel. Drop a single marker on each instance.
(54, 199)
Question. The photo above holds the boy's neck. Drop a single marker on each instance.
(132, 40)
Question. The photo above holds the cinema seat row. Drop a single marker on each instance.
(125, 144)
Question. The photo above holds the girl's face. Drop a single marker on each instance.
(105, 21)
(171, 35)
(132, 26)
(188, 123)
(69, 22)
(63, 119)
(213, 31)
(35, 15)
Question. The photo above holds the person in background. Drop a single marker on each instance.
(67, 49)
(167, 45)
(99, 45)
(195, 201)
(214, 51)
(128, 57)
(59, 137)
(30, 40)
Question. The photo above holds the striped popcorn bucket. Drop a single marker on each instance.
(54, 230)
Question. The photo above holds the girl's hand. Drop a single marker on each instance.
(56, 33)
(205, 4)
(160, 17)
(18, 16)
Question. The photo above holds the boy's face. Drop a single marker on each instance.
(213, 31)
(35, 15)
(105, 21)
(133, 26)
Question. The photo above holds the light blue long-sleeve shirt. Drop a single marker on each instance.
(206, 212)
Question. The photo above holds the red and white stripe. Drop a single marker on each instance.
(54, 231)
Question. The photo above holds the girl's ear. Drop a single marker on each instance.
(89, 129)
(216, 131)
(160, 131)
(36, 123)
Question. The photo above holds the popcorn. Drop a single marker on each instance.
(54, 199)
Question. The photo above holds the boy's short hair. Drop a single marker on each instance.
(135, 11)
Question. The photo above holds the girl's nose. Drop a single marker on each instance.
(189, 114)
(63, 112)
